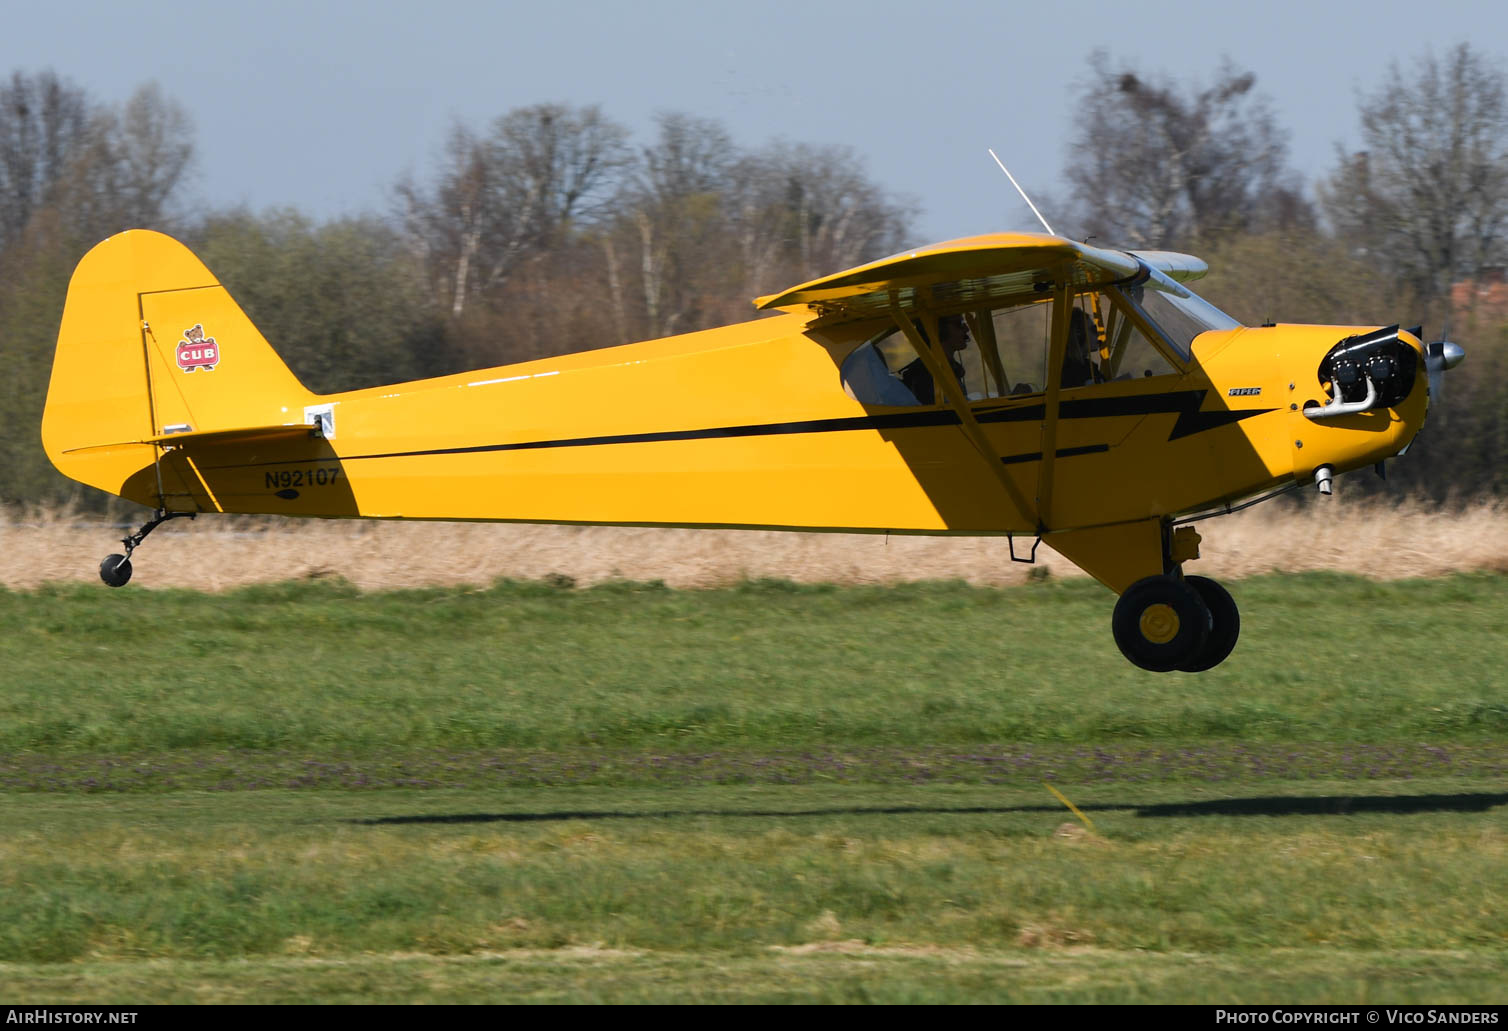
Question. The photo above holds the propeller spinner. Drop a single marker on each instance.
(1439, 356)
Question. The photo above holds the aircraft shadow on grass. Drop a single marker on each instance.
(1269, 805)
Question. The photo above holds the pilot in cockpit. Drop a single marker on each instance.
(953, 333)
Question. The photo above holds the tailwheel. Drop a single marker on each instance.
(115, 570)
(1225, 625)
(1161, 623)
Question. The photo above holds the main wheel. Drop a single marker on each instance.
(115, 570)
(1160, 623)
(1225, 625)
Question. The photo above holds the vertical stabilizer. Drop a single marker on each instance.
(152, 345)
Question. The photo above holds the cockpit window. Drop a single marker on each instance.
(1106, 344)
(1180, 313)
(1021, 336)
(1114, 333)
(994, 353)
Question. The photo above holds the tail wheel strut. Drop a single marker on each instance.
(115, 570)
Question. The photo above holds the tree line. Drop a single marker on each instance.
(552, 229)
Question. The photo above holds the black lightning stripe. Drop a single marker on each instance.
(903, 420)
(1184, 403)
(1062, 452)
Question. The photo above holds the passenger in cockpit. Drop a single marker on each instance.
(1079, 369)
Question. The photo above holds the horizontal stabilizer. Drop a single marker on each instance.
(238, 435)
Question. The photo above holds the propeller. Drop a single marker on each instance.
(1439, 356)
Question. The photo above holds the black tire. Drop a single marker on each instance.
(1225, 625)
(115, 570)
(1160, 623)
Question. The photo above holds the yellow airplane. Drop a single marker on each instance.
(1015, 383)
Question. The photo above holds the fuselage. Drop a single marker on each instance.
(750, 425)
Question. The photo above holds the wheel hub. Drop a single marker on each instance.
(1159, 623)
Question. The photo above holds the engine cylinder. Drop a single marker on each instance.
(1380, 356)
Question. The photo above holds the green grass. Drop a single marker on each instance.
(1306, 976)
(319, 667)
(766, 793)
(759, 893)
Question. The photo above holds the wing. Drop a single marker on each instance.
(974, 269)
(1182, 267)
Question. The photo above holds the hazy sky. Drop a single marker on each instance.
(321, 106)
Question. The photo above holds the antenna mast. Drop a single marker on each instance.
(1019, 190)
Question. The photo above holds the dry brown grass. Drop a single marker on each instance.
(1387, 541)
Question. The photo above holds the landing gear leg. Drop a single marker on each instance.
(1161, 623)
(115, 570)
(1225, 625)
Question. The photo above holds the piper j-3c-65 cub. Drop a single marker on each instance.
(1013, 383)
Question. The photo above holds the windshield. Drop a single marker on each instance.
(1180, 313)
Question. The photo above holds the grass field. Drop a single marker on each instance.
(766, 792)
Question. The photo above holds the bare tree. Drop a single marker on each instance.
(680, 233)
(125, 167)
(563, 163)
(1427, 197)
(153, 149)
(43, 124)
(1155, 165)
(456, 223)
(809, 210)
(676, 205)
(704, 227)
(500, 198)
(690, 156)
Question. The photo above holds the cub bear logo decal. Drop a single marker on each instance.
(197, 351)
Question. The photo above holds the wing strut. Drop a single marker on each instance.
(942, 375)
(1062, 309)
